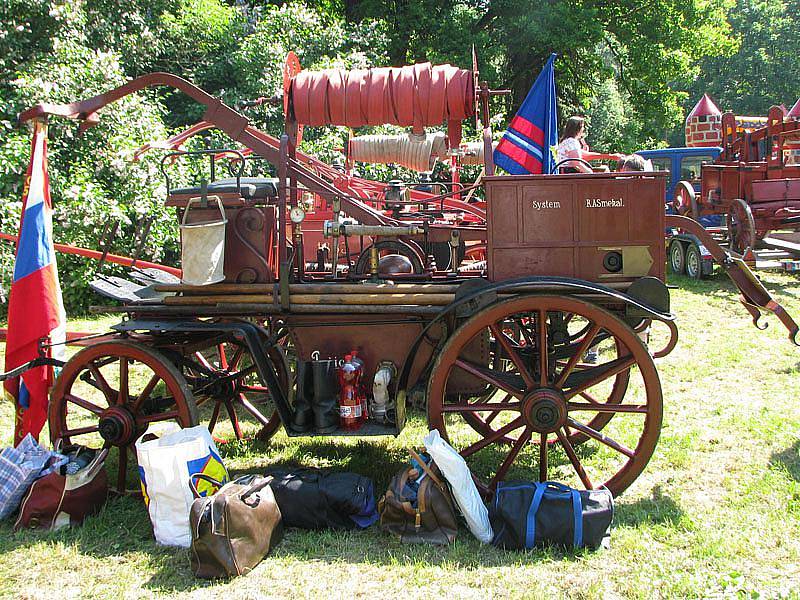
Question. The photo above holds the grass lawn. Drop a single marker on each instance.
(716, 512)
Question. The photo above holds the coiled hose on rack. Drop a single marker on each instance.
(418, 154)
(415, 96)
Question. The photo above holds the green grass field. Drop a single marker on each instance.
(716, 513)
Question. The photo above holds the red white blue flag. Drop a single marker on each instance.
(529, 143)
(35, 307)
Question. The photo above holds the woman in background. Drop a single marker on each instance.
(573, 145)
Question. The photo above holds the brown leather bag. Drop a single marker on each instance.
(62, 499)
(233, 529)
(432, 521)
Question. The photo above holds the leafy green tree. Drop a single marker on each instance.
(765, 69)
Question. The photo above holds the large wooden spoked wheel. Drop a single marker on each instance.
(225, 374)
(544, 401)
(108, 394)
(741, 226)
(519, 337)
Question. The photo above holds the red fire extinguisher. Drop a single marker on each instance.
(362, 387)
(350, 403)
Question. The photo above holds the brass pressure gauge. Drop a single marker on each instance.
(297, 215)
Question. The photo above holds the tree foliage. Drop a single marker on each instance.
(765, 69)
(626, 64)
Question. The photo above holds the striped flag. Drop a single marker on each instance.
(529, 143)
(35, 308)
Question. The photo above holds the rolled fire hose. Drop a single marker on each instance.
(473, 153)
(417, 96)
(409, 151)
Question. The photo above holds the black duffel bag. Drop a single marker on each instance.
(315, 499)
(526, 514)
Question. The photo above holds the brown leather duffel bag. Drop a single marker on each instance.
(235, 528)
(427, 516)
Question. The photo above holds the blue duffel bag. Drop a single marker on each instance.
(526, 514)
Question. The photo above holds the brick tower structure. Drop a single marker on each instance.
(704, 124)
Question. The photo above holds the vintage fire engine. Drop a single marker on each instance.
(496, 354)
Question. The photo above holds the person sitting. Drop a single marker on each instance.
(633, 162)
(572, 145)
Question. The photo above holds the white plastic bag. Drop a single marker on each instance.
(165, 465)
(465, 492)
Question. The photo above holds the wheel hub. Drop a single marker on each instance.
(118, 426)
(545, 410)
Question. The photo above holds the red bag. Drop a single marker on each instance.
(61, 499)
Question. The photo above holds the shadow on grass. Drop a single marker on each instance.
(123, 528)
(788, 459)
(658, 508)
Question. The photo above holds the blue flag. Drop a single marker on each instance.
(528, 144)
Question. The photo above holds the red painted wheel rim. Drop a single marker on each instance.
(109, 393)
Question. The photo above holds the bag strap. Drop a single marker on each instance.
(530, 529)
(204, 477)
(424, 466)
(577, 516)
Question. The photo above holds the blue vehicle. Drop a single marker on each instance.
(686, 253)
(683, 164)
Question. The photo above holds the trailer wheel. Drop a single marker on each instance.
(544, 398)
(694, 262)
(109, 393)
(677, 257)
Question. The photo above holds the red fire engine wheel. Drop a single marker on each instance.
(108, 394)
(741, 226)
(684, 201)
(226, 375)
(545, 399)
(485, 422)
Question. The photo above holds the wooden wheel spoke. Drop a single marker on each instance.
(155, 418)
(248, 406)
(108, 392)
(488, 376)
(607, 408)
(204, 362)
(214, 416)
(236, 358)
(223, 359)
(482, 407)
(592, 377)
(145, 394)
(122, 398)
(601, 437)
(505, 342)
(516, 448)
(575, 358)
(541, 346)
(80, 430)
(85, 404)
(253, 388)
(573, 458)
(542, 457)
(492, 438)
(243, 373)
(237, 428)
